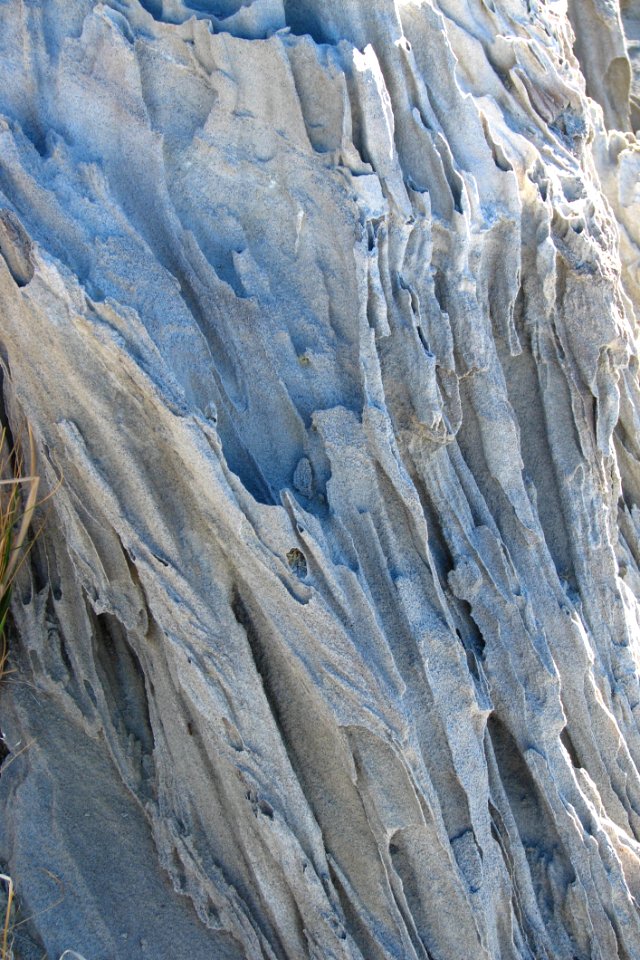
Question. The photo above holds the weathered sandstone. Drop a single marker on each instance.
(324, 312)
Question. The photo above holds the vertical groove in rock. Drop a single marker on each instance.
(326, 314)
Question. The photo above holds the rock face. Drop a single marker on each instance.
(323, 311)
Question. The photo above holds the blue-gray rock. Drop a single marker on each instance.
(324, 317)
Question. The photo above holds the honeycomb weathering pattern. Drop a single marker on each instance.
(324, 312)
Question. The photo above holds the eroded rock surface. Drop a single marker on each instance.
(324, 312)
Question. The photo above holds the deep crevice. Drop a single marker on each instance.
(123, 681)
(549, 866)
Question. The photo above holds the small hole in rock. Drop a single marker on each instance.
(568, 744)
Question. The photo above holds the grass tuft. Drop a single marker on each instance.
(18, 499)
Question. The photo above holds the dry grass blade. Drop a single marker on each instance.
(18, 500)
(27, 516)
(6, 948)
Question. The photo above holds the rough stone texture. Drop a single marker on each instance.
(324, 312)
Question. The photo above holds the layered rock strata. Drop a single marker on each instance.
(323, 316)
